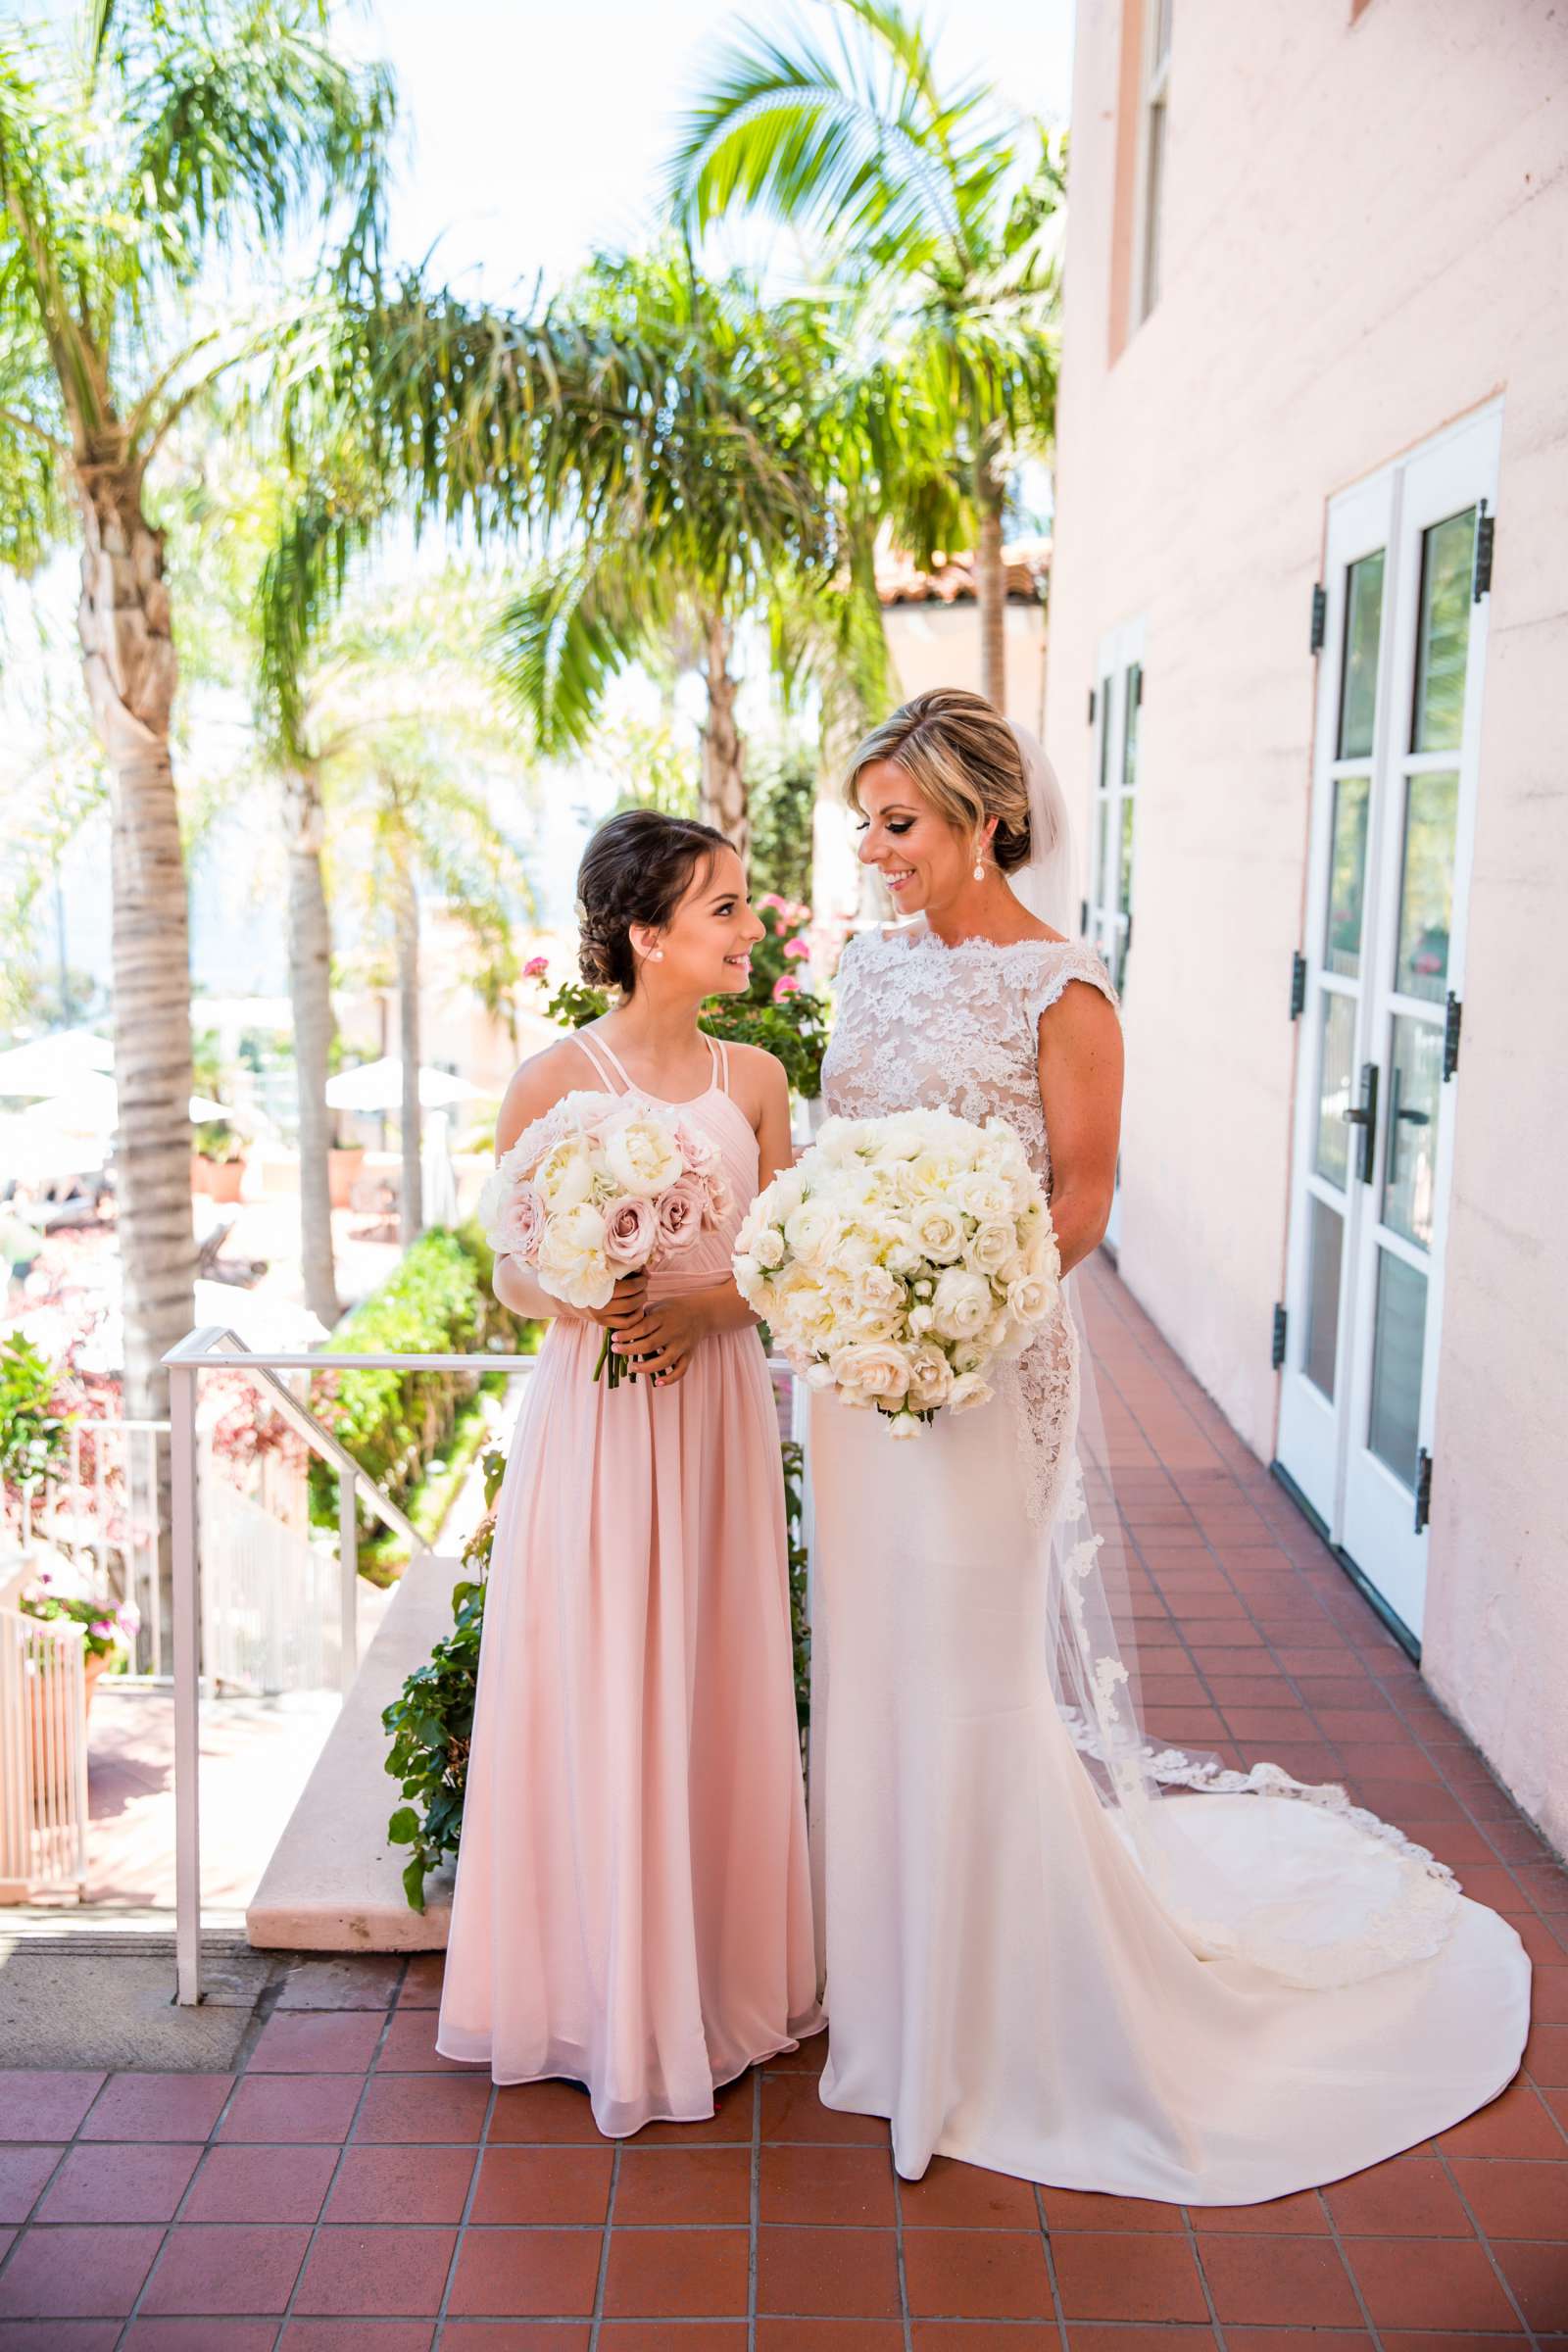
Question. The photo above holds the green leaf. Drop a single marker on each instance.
(403, 1826)
(414, 1883)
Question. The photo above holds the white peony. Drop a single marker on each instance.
(642, 1155)
(565, 1174)
(572, 1264)
(768, 1247)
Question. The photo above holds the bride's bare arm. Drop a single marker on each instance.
(1080, 1093)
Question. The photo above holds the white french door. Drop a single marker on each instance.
(1393, 814)
(1109, 910)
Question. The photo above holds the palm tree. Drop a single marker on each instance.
(937, 207)
(133, 162)
(741, 507)
(394, 732)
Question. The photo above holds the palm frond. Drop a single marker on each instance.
(559, 644)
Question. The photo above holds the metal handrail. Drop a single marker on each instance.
(214, 1349)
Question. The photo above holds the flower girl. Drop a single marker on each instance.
(632, 1907)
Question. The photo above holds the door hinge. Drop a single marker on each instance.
(1092, 705)
(1423, 1489)
(1320, 618)
(1277, 1351)
(1297, 985)
(1485, 529)
(1450, 1036)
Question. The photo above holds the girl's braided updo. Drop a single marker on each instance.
(636, 870)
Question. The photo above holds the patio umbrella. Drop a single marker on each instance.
(438, 1181)
(51, 1066)
(379, 1086)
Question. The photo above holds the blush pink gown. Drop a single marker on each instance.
(633, 1904)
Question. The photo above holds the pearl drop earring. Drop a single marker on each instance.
(979, 868)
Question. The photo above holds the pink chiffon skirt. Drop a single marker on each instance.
(632, 1905)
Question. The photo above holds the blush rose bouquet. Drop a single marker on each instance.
(900, 1259)
(602, 1187)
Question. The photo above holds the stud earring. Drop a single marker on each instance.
(655, 956)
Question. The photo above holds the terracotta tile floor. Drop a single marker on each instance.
(349, 2192)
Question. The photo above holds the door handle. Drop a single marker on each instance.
(1364, 1114)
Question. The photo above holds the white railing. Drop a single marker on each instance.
(99, 1507)
(43, 1749)
(215, 1349)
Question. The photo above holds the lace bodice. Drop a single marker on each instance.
(922, 1025)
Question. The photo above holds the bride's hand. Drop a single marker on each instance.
(626, 1304)
(659, 1342)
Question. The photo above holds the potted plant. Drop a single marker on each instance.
(108, 1628)
(217, 1160)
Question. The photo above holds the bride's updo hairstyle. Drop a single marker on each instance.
(963, 759)
(636, 870)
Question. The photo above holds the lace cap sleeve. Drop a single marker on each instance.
(1057, 966)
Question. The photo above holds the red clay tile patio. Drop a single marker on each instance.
(345, 2191)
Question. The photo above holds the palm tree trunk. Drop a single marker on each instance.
(723, 801)
(130, 672)
(309, 988)
(991, 580)
(410, 1221)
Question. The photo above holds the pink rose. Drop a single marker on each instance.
(680, 1215)
(717, 1199)
(796, 949)
(697, 1149)
(521, 1222)
(631, 1230)
(771, 899)
(786, 985)
(536, 967)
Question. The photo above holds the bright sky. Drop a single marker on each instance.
(537, 130)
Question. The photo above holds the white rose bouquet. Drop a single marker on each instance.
(602, 1187)
(900, 1259)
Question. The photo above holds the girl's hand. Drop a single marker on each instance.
(625, 1304)
(661, 1340)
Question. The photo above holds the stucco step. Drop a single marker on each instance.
(334, 1884)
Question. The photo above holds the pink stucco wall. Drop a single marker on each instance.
(1365, 234)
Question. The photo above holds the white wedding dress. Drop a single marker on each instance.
(1208, 1998)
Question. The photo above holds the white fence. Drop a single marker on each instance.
(43, 1752)
(99, 1508)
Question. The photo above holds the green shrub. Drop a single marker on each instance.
(439, 1302)
(34, 1425)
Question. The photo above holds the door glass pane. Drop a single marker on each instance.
(1129, 740)
(1341, 949)
(1105, 733)
(1327, 1244)
(1124, 887)
(1333, 1155)
(1103, 860)
(1443, 645)
(1363, 626)
(1426, 884)
(1402, 1314)
(1416, 1090)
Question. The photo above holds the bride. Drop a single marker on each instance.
(1037, 1961)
